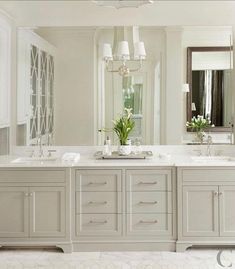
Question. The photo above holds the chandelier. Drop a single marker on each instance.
(122, 3)
(123, 53)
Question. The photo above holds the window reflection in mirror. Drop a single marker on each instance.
(209, 75)
(133, 98)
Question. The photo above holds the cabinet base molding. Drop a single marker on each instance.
(181, 246)
(66, 247)
(124, 246)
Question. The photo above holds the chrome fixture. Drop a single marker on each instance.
(39, 143)
(122, 51)
(209, 143)
(122, 3)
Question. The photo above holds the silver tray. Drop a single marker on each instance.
(116, 156)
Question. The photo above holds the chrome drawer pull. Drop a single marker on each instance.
(148, 222)
(148, 203)
(98, 203)
(97, 222)
(97, 183)
(148, 183)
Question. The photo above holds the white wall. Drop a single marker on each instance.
(74, 87)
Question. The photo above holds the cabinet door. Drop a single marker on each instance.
(227, 211)
(47, 211)
(200, 211)
(14, 211)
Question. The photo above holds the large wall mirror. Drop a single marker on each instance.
(65, 93)
(209, 78)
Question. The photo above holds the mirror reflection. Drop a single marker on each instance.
(73, 81)
(209, 74)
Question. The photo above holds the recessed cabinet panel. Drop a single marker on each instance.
(200, 211)
(149, 202)
(149, 224)
(227, 210)
(98, 224)
(47, 211)
(148, 180)
(98, 180)
(14, 207)
(98, 202)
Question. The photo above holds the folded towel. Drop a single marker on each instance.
(71, 157)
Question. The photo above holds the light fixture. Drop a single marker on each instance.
(122, 52)
(193, 107)
(185, 87)
(122, 3)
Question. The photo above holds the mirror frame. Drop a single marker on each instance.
(190, 50)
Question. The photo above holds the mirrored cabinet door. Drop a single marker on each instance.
(37, 87)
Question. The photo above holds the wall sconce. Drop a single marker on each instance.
(193, 107)
(185, 87)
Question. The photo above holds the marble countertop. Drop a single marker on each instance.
(179, 156)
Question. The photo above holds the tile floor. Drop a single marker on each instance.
(54, 259)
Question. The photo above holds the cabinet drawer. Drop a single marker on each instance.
(149, 202)
(98, 224)
(148, 180)
(199, 175)
(98, 202)
(20, 176)
(149, 224)
(98, 180)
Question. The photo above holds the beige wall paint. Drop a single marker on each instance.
(74, 87)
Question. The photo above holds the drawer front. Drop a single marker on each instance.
(98, 180)
(98, 202)
(152, 180)
(202, 175)
(42, 176)
(149, 224)
(98, 224)
(149, 202)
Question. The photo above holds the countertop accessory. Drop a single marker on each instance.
(116, 156)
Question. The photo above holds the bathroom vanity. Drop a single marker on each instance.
(93, 205)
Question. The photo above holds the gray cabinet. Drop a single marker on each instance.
(47, 211)
(206, 198)
(200, 211)
(14, 206)
(226, 210)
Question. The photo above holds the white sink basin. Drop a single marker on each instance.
(34, 159)
(211, 158)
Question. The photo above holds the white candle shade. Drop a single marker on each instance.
(123, 50)
(185, 88)
(107, 52)
(193, 107)
(139, 51)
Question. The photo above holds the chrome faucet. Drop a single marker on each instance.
(209, 143)
(39, 143)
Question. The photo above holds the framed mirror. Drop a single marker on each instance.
(209, 79)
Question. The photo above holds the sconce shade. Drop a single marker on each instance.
(139, 51)
(123, 52)
(185, 87)
(193, 107)
(107, 52)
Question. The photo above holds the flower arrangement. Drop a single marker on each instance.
(123, 126)
(199, 124)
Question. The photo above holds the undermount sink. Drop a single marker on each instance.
(211, 158)
(34, 159)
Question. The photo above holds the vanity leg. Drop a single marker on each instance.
(67, 248)
(181, 247)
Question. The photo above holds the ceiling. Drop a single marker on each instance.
(86, 13)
